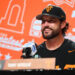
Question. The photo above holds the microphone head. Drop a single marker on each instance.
(29, 49)
(26, 52)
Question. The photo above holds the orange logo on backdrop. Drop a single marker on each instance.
(13, 19)
(11, 27)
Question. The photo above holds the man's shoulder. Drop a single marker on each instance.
(42, 45)
(70, 43)
(71, 47)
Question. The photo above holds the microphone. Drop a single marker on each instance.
(26, 52)
(29, 50)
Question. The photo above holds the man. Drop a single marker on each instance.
(53, 29)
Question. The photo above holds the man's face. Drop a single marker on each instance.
(50, 27)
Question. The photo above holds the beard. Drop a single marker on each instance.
(52, 35)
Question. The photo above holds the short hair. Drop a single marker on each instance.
(64, 30)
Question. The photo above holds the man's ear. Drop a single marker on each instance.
(63, 24)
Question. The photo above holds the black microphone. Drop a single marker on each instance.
(29, 51)
(26, 53)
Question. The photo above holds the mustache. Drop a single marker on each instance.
(47, 28)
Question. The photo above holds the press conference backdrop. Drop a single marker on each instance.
(18, 24)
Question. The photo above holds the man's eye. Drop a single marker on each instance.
(43, 21)
(52, 21)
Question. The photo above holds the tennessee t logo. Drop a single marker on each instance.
(49, 8)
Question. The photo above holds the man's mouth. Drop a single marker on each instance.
(47, 30)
